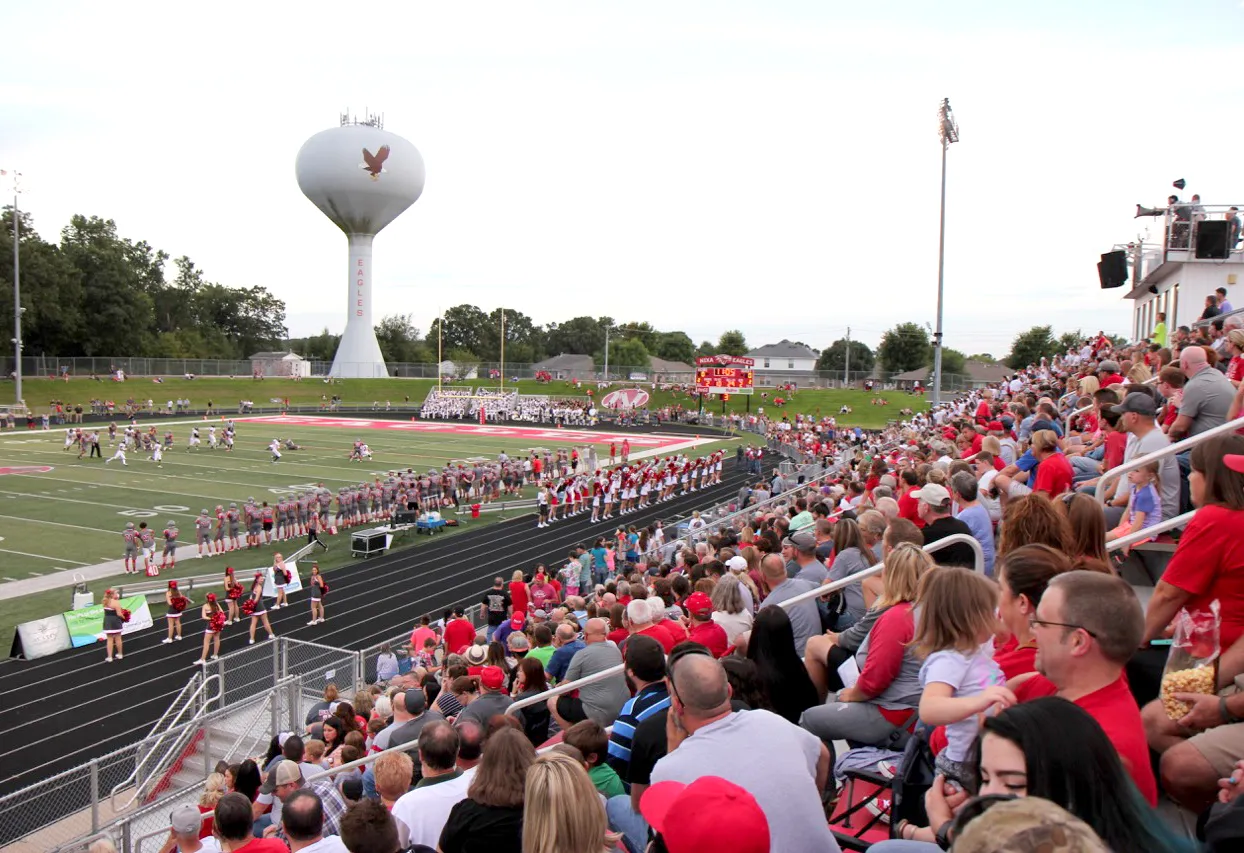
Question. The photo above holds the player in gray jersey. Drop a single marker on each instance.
(202, 531)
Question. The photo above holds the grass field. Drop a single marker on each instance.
(225, 394)
(53, 521)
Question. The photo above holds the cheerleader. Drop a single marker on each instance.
(214, 616)
(233, 591)
(318, 590)
(280, 577)
(254, 607)
(176, 603)
(115, 617)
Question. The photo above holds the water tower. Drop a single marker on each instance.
(361, 177)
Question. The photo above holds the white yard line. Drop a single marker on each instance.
(43, 557)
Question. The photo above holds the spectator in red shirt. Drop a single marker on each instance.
(1054, 474)
(459, 632)
(423, 631)
(1235, 346)
(1023, 575)
(1087, 627)
(704, 630)
(639, 621)
(1171, 386)
(520, 594)
(909, 499)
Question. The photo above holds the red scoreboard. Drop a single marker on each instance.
(724, 374)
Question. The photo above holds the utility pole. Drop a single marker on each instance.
(948, 130)
(17, 292)
(607, 328)
(846, 370)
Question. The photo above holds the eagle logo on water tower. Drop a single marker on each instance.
(373, 164)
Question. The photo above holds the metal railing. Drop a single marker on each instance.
(166, 745)
(1153, 380)
(1170, 450)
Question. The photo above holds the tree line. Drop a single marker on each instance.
(95, 293)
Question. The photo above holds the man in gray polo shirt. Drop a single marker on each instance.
(781, 765)
(805, 618)
(602, 700)
(1207, 396)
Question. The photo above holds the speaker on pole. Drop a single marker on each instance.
(1112, 269)
(1211, 239)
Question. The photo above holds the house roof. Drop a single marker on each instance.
(660, 365)
(271, 355)
(978, 371)
(566, 362)
(784, 349)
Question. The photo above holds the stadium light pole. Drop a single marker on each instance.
(17, 292)
(948, 130)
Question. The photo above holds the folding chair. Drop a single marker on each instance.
(892, 799)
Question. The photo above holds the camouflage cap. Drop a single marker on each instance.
(1026, 824)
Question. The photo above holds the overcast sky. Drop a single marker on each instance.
(772, 166)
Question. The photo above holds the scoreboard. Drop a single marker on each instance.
(724, 374)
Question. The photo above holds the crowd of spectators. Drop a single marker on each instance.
(718, 696)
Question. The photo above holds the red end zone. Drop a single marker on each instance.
(25, 469)
(564, 436)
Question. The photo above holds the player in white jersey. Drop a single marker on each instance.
(228, 441)
(120, 454)
(211, 437)
(195, 441)
(275, 447)
(157, 456)
(71, 438)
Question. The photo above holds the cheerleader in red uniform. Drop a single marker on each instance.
(318, 590)
(176, 603)
(254, 607)
(280, 577)
(233, 592)
(214, 616)
(115, 617)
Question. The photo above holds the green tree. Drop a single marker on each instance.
(323, 347)
(1031, 346)
(706, 348)
(465, 327)
(834, 358)
(732, 342)
(465, 362)
(628, 353)
(983, 358)
(576, 336)
(51, 291)
(954, 363)
(398, 337)
(524, 340)
(1070, 340)
(642, 332)
(904, 347)
(676, 346)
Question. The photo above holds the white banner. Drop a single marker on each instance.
(269, 583)
(43, 637)
(140, 618)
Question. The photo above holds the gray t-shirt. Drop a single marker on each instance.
(603, 700)
(485, 707)
(850, 562)
(805, 618)
(1207, 397)
(814, 572)
(772, 759)
(1168, 470)
(409, 730)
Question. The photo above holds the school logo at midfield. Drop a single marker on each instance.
(625, 398)
(25, 469)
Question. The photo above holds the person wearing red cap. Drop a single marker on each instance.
(711, 815)
(704, 630)
(492, 698)
(706, 737)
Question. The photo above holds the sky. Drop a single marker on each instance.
(770, 166)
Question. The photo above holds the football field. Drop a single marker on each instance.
(58, 512)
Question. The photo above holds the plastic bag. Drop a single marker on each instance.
(1191, 666)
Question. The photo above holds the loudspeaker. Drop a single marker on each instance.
(1211, 239)
(1112, 270)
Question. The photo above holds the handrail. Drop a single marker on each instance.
(192, 683)
(1169, 450)
(132, 777)
(1150, 531)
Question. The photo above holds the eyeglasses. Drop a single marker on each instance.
(1034, 621)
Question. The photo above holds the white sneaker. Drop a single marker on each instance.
(178, 637)
(272, 636)
(119, 656)
(321, 619)
(201, 662)
(313, 622)
(107, 660)
(251, 641)
(215, 657)
(166, 640)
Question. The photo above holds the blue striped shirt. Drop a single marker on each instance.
(651, 700)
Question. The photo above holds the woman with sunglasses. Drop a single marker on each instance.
(1048, 748)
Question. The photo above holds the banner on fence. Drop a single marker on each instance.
(269, 583)
(86, 625)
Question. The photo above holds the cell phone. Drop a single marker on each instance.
(1161, 641)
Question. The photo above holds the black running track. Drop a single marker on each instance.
(59, 712)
